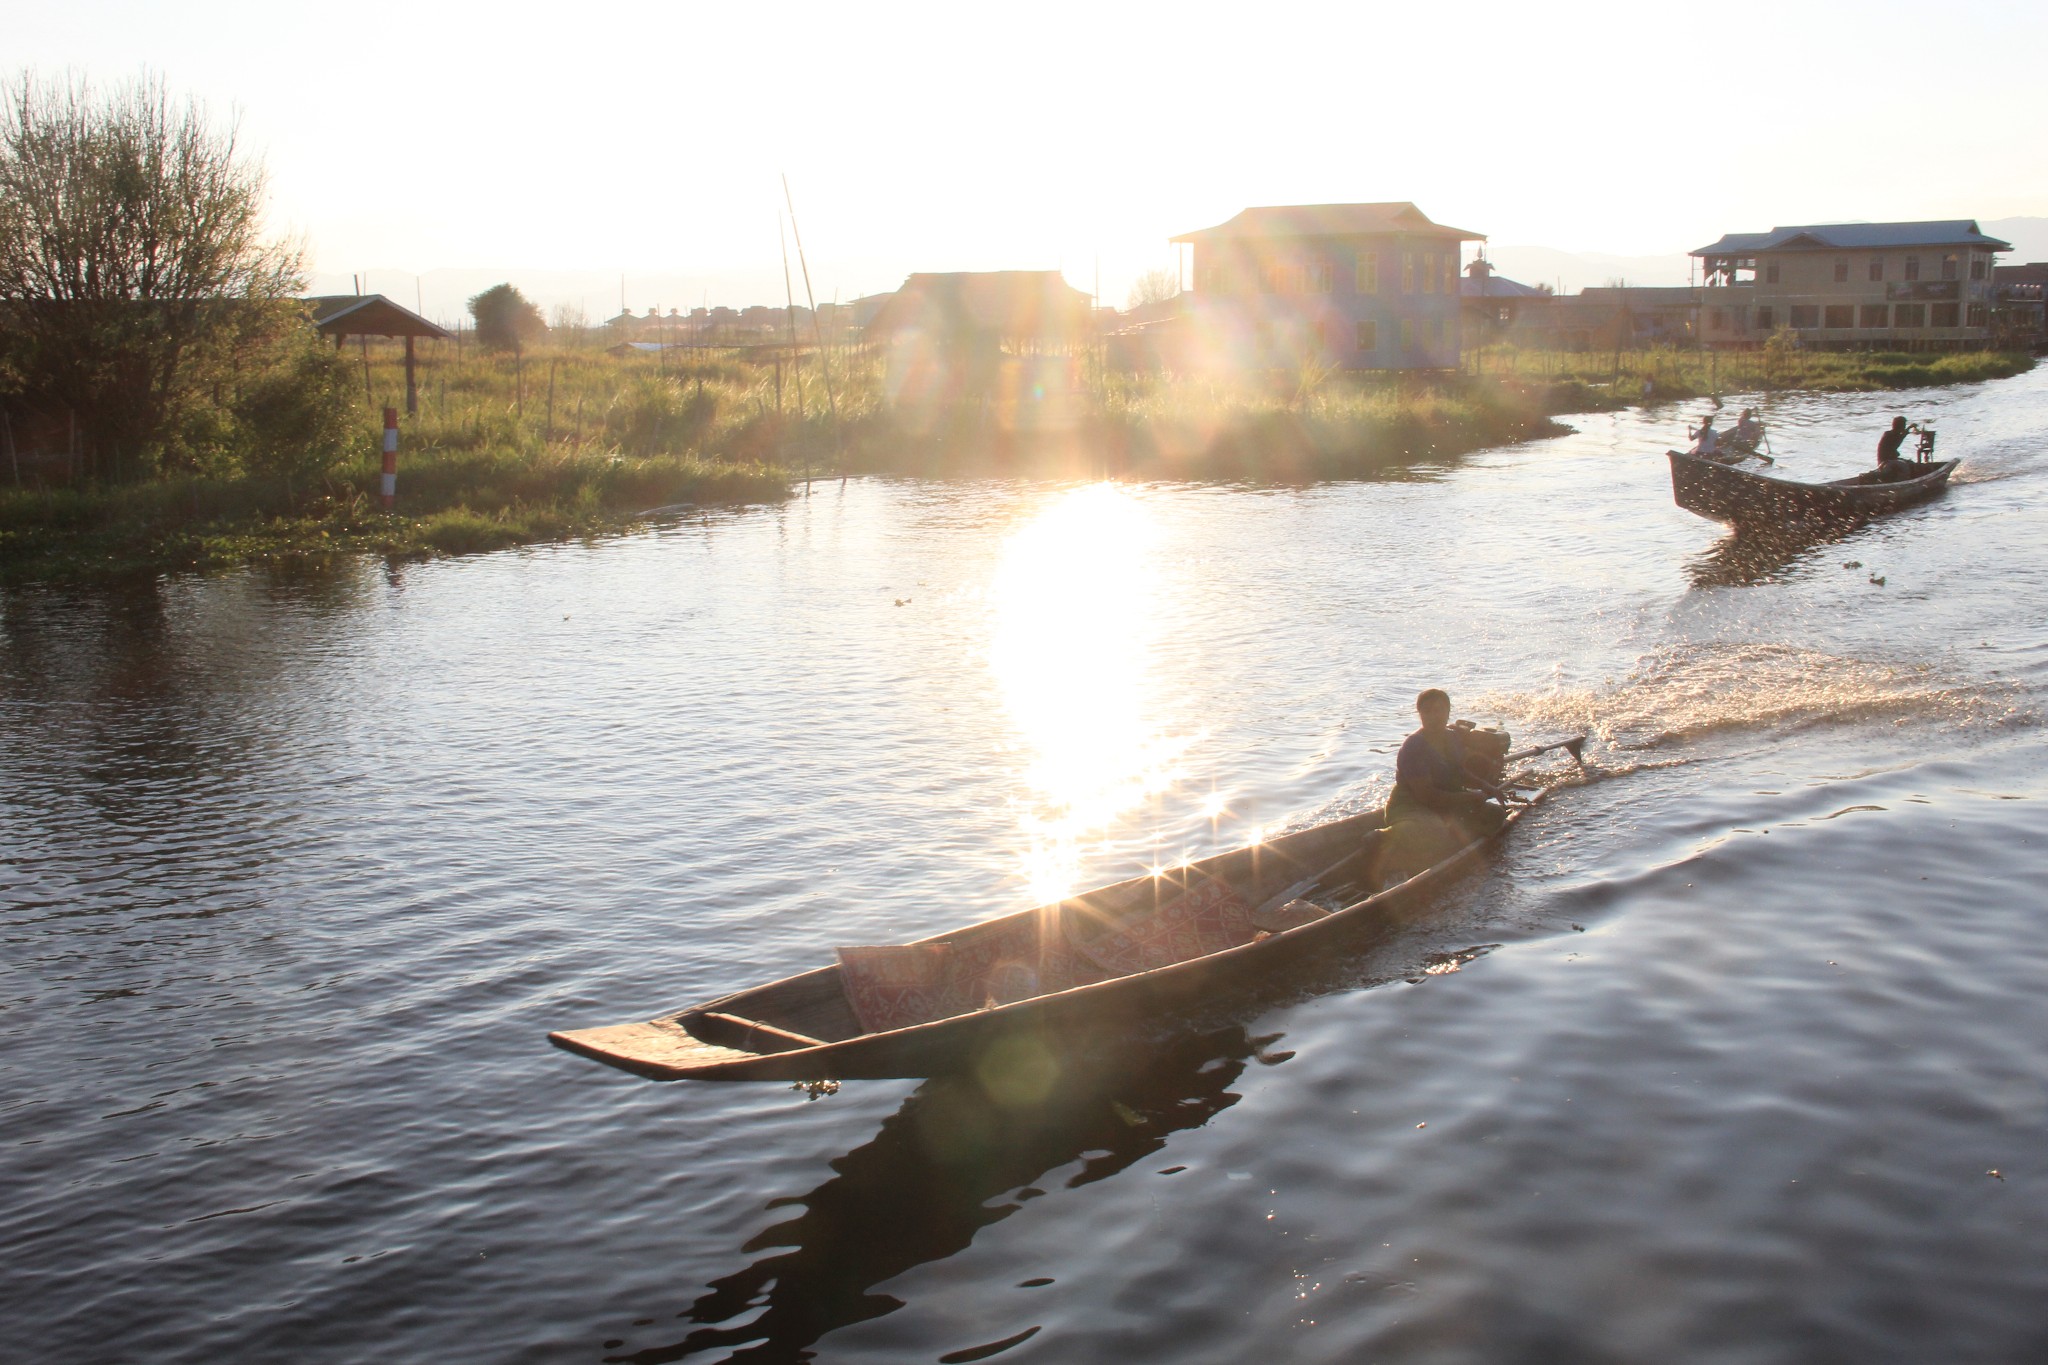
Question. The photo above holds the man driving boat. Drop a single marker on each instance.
(1440, 802)
(1891, 464)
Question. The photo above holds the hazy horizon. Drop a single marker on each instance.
(929, 138)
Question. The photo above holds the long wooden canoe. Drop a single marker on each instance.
(1742, 497)
(1052, 975)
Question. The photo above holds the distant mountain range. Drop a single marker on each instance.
(1569, 271)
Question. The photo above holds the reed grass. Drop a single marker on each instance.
(1594, 380)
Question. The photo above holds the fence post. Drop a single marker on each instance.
(390, 480)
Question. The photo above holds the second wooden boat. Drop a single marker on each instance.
(1054, 974)
(1742, 497)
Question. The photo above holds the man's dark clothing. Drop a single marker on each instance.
(1888, 445)
(1432, 778)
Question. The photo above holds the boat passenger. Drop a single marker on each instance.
(1748, 431)
(1891, 464)
(1706, 441)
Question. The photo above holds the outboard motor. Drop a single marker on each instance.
(1486, 748)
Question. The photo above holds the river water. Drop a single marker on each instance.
(1734, 1053)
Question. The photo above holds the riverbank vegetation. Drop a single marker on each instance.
(1591, 381)
(567, 439)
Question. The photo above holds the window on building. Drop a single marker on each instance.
(1368, 335)
(1979, 315)
(1717, 319)
(1429, 273)
(1321, 278)
(1948, 266)
(1877, 267)
(1407, 334)
(1368, 274)
(1840, 315)
(1806, 315)
(1876, 315)
(1280, 279)
(1407, 273)
(1766, 318)
(1505, 314)
(1910, 315)
(1912, 270)
(1771, 272)
(1841, 272)
(1946, 315)
(1977, 264)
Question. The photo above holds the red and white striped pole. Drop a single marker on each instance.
(390, 488)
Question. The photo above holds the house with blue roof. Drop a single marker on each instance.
(1913, 286)
(1355, 286)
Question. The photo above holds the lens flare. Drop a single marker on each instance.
(1077, 613)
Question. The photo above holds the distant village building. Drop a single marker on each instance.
(1916, 285)
(1358, 286)
(1006, 341)
(2019, 305)
(1490, 303)
(628, 326)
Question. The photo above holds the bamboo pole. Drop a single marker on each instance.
(796, 358)
(817, 331)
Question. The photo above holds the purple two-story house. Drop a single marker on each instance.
(1358, 286)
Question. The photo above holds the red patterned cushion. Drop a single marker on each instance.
(893, 987)
(1208, 919)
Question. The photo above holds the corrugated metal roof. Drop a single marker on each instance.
(1331, 220)
(368, 315)
(1498, 287)
(1855, 237)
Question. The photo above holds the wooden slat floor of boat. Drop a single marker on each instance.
(656, 1045)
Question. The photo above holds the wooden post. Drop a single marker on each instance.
(412, 393)
(388, 484)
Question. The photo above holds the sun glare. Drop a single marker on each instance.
(1076, 614)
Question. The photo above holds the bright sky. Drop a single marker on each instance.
(647, 138)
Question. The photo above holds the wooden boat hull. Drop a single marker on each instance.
(1742, 497)
(713, 1041)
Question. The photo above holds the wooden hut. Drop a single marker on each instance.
(346, 315)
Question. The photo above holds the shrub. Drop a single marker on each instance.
(299, 418)
(505, 319)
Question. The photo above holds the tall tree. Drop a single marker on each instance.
(1154, 286)
(505, 319)
(133, 265)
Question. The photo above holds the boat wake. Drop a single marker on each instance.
(1680, 694)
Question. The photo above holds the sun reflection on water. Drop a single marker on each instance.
(1077, 618)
